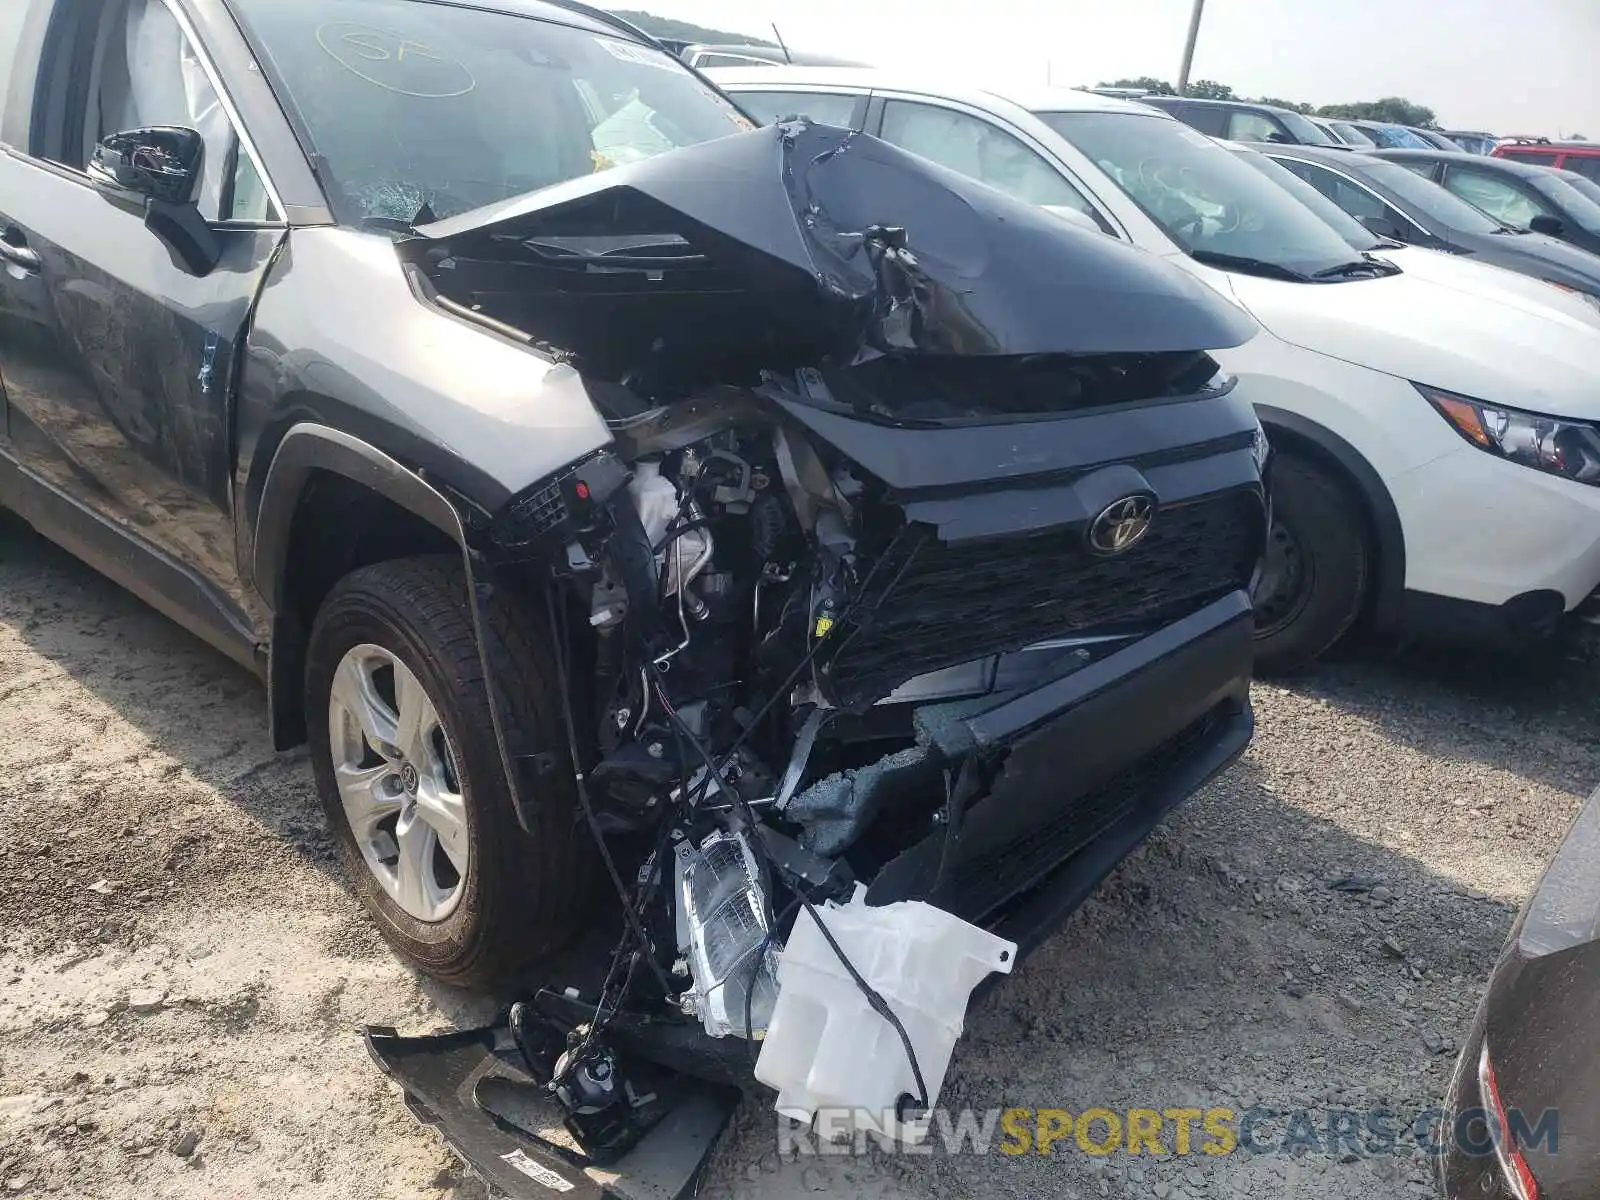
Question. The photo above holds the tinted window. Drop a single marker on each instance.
(981, 151)
(1574, 205)
(1587, 165)
(1201, 195)
(1426, 198)
(412, 105)
(1308, 133)
(826, 108)
(728, 60)
(1254, 127)
(1495, 195)
(1352, 135)
(1356, 201)
(146, 72)
(1207, 118)
(1584, 187)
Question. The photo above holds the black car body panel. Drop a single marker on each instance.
(1526, 253)
(1537, 1020)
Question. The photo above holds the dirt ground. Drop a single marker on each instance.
(182, 968)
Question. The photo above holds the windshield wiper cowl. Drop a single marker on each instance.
(1248, 265)
(1366, 264)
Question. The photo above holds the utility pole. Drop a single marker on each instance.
(1188, 46)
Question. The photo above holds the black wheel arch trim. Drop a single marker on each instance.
(1389, 586)
(309, 447)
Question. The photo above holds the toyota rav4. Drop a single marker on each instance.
(674, 538)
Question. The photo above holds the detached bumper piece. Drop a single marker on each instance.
(475, 1089)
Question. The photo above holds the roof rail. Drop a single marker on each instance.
(608, 18)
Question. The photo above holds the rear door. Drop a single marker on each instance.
(119, 363)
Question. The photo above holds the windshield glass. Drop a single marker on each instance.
(1307, 132)
(1426, 197)
(417, 107)
(1346, 226)
(1206, 200)
(1574, 204)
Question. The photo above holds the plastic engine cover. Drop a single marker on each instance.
(826, 1049)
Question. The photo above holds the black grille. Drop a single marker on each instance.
(928, 605)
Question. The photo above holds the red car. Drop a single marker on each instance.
(1582, 157)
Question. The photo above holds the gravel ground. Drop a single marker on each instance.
(182, 967)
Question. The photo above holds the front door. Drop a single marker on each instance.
(118, 362)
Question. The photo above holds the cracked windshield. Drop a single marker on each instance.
(427, 108)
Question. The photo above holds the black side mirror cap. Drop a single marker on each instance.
(1546, 224)
(156, 163)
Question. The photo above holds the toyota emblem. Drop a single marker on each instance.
(1121, 525)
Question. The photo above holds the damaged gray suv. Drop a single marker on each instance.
(663, 531)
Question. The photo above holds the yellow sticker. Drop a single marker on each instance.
(823, 625)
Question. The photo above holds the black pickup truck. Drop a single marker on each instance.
(621, 500)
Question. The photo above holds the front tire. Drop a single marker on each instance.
(410, 777)
(1318, 564)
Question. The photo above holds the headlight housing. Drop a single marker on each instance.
(1570, 449)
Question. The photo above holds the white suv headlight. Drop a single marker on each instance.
(1570, 449)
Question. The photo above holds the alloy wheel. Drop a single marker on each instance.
(398, 782)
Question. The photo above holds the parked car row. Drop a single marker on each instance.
(1433, 413)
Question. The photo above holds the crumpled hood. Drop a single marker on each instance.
(1450, 331)
(794, 241)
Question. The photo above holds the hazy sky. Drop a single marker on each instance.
(1506, 66)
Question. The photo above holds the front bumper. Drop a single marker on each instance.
(1087, 766)
(1483, 530)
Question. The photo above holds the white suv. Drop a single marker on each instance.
(1438, 465)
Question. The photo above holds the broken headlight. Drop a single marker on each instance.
(722, 929)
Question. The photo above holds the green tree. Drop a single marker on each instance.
(683, 31)
(1292, 105)
(1145, 83)
(1209, 89)
(1394, 109)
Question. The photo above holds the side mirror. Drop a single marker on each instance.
(1546, 224)
(1384, 227)
(159, 163)
(158, 169)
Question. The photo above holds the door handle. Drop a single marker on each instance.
(21, 257)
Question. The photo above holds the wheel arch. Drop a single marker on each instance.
(1292, 433)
